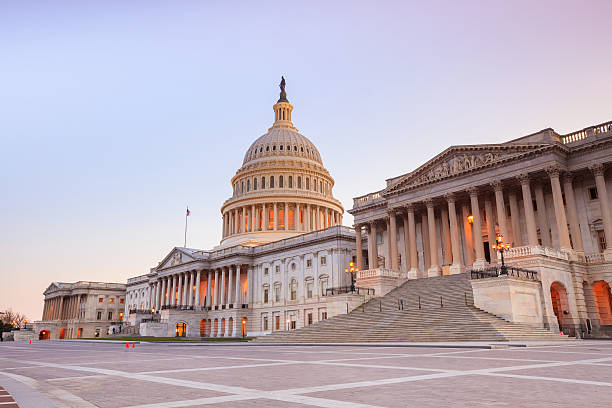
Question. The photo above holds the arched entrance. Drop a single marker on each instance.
(558, 295)
(230, 327)
(216, 328)
(181, 329)
(44, 335)
(243, 323)
(62, 331)
(221, 332)
(79, 332)
(203, 328)
(603, 302)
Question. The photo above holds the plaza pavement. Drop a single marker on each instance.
(73, 374)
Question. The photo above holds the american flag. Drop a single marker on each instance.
(188, 212)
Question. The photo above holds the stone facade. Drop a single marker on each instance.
(549, 195)
(80, 309)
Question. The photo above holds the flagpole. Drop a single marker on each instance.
(185, 246)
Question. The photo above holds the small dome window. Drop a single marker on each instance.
(281, 147)
(288, 147)
(302, 149)
(295, 148)
(260, 149)
(267, 148)
(274, 147)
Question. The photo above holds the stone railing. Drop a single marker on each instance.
(366, 199)
(594, 258)
(524, 251)
(585, 133)
(370, 273)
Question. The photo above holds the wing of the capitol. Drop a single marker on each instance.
(519, 231)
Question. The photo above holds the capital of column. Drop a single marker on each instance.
(473, 191)
(568, 177)
(497, 185)
(429, 203)
(553, 171)
(409, 208)
(597, 169)
(450, 197)
(524, 179)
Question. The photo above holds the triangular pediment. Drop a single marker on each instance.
(457, 160)
(177, 257)
(52, 287)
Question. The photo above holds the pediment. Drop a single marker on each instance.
(176, 257)
(52, 287)
(457, 160)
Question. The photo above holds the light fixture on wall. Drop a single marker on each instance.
(470, 219)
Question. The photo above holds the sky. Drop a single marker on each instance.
(115, 115)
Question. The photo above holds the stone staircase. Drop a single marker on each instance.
(434, 310)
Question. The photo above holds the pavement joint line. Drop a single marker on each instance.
(81, 377)
(557, 379)
(183, 370)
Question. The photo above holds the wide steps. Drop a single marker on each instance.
(434, 309)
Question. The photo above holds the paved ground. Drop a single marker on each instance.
(70, 374)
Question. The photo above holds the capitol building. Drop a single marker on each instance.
(435, 236)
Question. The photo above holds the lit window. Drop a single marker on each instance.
(111, 300)
(100, 300)
(122, 301)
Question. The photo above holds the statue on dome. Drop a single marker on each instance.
(283, 94)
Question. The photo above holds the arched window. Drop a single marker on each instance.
(248, 185)
(263, 183)
(271, 181)
(273, 147)
(321, 186)
(323, 285)
(281, 147)
(302, 149)
(280, 182)
(241, 187)
(260, 149)
(293, 294)
(307, 183)
(254, 184)
(314, 184)
(299, 182)
(267, 148)
(290, 181)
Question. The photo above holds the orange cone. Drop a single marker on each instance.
(133, 345)
(30, 341)
(127, 345)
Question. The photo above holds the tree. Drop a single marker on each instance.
(12, 320)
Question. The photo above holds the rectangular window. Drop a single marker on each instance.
(111, 300)
(309, 263)
(99, 316)
(277, 268)
(323, 315)
(309, 290)
(110, 315)
(602, 241)
(265, 323)
(293, 290)
(309, 319)
(593, 193)
(100, 300)
(265, 295)
(323, 260)
(323, 287)
(293, 325)
(265, 271)
(121, 301)
(277, 322)
(277, 294)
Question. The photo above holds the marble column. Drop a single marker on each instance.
(500, 206)
(393, 241)
(414, 260)
(173, 290)
(238, 297)
(208, 279)
(296, 223)
(515, 217)
(447, 256)
(222, 289)
(564, 239)
(275, 216)
(242, 213)
(358, 246)
(190, 289)
(326, 223)
(434, 268)
(604, 203)
(231, 279)
(457, 266)
(215, 299)
(373, 252)
(530, 224)
(252, 218)
(197, 291)
(250, 285)
(185, 289)
(490, 223)
(425, 242)
(406, 243)
(163, 299)
(572, 213)
(468, 236)
(181, 298)
(542, 218)
(480, 261)
(286, 216)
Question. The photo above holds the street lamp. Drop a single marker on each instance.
(501, 247)
(351, 269)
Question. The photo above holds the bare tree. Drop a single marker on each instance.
(13, 318)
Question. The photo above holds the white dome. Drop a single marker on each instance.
(282, 141)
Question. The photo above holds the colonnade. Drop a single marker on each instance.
(225, 287)
(446, 210)
(62, 307)
(279, 216)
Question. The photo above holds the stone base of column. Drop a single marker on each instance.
(456, 269)
(434, 271)
(412, 274)
(480, 264)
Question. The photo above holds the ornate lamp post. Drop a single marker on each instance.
(501, 247)
(351, 269)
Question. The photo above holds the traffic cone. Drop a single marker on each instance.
(30, 341)
(133, 345)
(127, 345)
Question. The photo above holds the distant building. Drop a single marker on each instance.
(80, 309)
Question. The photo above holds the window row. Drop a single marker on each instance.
(259, 151)
(245, 186)
(293, 290)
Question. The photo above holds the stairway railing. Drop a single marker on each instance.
(497, 271)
